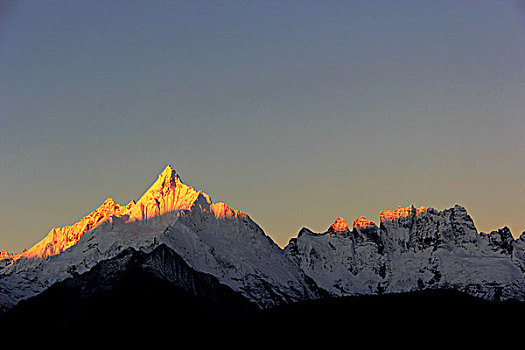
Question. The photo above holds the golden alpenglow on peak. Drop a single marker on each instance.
(160, 204)
(339, 225)
(60, 239)
(401, 212)
(363, 222)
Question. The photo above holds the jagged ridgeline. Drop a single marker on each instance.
(211, 237)
(211, 244)
(413, 249)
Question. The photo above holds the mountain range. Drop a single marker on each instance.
(174, 246)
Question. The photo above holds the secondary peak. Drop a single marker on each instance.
(401, 212)
(363, 222)
(339, 225)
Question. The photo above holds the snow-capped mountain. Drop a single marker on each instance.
(413, 249)
(211, 237)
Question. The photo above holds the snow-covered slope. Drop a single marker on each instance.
(413, 249)
(211, 237)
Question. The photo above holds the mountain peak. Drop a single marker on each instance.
(167, 195)
(401, 212)
(169, 172)
(339, 225)
(168, 176)
(167, 181)
(5, 254)
(62, 238)
(363, 222)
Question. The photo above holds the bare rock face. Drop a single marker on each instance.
(414, 249)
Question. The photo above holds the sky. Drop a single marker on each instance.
(295, 112)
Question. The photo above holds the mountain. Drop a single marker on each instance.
(214, 259)
(131, 291)
(413, 249)
(211, 237)
(152, 296)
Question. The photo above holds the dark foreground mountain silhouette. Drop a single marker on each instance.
(158, 292)
(176, 261)
(131, 290)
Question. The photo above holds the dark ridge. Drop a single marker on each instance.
(418, 313)
(134, 291)
(139, 295)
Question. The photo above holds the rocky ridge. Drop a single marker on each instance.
(414, 249)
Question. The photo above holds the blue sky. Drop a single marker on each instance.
(295, 112)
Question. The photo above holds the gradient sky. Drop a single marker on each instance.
(295, 112)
